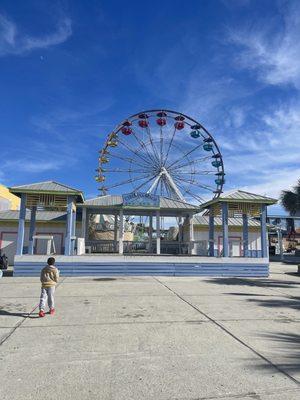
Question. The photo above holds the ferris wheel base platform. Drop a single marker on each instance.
(144, 265)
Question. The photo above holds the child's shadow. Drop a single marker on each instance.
(18, 314)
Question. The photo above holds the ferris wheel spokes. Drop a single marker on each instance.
(128, 181)
(144, 146)
(187, 190)
(135, 152)
(185, 155)
(148, 131)
(127, 159)
(143, 184)
(191, 162)
(164, 151)
(208, 172)
(192, 182)
(170, 144)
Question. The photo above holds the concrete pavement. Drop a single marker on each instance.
(153, 338)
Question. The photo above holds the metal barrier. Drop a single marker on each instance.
(102, 246)
(133, 247)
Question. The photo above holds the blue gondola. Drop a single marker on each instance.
(216, 163)
(207, 147)
(195, 134)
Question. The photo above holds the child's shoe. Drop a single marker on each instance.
(52, 311)
(41, 313)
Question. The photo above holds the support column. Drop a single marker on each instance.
(225, 229)
(180, 235)
(157, 232)
(245, 236)
(121, 233)
(150, 232)
(83, 223)
(73, 232)
(116, 233)
(21, 227)
(211, 233)
(191, 235)
(69, 226)
(32, 230)
(263, 231)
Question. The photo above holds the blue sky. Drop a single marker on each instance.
(71, 70)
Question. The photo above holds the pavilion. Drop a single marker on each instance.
(161, 256)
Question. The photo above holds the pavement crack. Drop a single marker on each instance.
(225, 330)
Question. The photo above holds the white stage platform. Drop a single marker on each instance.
(122, 265)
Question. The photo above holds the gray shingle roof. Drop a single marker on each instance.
(204, 220)
(55, 216)
(117, 200)
(242, 195)
(47, 186)
(105, 201)
(165, 202)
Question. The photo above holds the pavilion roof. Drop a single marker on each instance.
(47, 187)
(117, 201)
(41, 216)
(240, 196)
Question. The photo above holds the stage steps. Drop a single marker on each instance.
(123, 268)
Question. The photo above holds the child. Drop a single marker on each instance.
(49, 279)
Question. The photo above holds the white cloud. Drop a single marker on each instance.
(16, 43)
(267, 161)
(275, 56)
(273, 183)
(32, 166)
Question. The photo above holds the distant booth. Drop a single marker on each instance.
(140, 233)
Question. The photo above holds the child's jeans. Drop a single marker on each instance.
(47, 293)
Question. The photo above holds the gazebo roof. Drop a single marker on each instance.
(47, 187)
(41, 216)
(116, 201)
(240, 196)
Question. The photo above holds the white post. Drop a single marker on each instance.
(21, 228)
(150, 232)
(191, 235)
(121, 233)
(49, 245)
(116, 233)
(32, 230)
(180, 235)
(157, 232)
(83, 223)
(263, 232)
(68, 248)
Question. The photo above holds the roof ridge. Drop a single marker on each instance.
(225, 194)
(179, 201)
(255, 194)
(45, 182)
(29, 184)
(66, 186)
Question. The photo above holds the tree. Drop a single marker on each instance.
(290, 200)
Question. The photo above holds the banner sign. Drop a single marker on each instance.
(138, 199)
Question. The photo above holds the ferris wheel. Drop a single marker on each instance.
(161, 152)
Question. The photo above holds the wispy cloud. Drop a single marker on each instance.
(32, 166)
(273, 53)
(14, 42)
